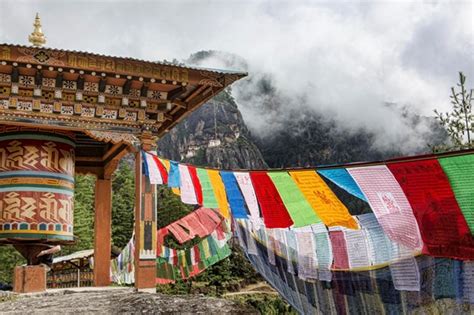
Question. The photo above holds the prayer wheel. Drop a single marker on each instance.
(36, 187)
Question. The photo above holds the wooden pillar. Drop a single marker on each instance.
(145, 227)
(102, 231)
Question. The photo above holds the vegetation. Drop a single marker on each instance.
(458, 123)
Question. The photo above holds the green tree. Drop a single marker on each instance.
(9, 258)
(459, 123)
(83, 214)
(123, 203)
(170, 207)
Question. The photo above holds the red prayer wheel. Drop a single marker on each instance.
(36, 187)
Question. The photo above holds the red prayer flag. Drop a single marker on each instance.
(274, 211)
(196, 183)
(175, 257)
(180, 233)
(443, 228)
(162, 168)
(339, 249)
(197, 254)
(193, 225)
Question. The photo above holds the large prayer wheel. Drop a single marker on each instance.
(36, 187)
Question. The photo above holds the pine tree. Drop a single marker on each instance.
(83, 214)
(123, 203)
(459, 123)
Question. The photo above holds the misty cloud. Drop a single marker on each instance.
(343, 60)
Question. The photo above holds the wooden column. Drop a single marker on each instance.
(103, 231)
(145, 227)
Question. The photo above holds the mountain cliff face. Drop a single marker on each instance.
(215, 135)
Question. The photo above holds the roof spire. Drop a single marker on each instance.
(37, 38)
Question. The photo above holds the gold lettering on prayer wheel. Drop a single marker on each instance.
(36, 187)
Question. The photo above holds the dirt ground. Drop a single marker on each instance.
(118, 301)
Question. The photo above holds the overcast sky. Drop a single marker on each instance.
(344, 57)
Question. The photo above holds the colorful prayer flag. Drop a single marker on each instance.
(343, 179)
(324, 202)
(219, 192)
(208, 197)
(188, 193)
(460, 172)
(234, 196)
(390, 206)
(246, 187)
(442, 225)
(274, 212)
(298, 207)
(173, 175)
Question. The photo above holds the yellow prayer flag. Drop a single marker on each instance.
(323, 200)
(219, 192)
(166, 163)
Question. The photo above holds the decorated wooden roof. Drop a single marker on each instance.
(84, 91)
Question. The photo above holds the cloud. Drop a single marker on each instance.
(342, 59)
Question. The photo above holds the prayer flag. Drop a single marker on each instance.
(145, 165)
(174, 176)
(339, 248)
(219, 192)
(162, 169)
(153, 170)
(379, 244)
(405, 274)
(208, 197)
(234, 196)
(274, 212)
(390, 206)
(307, 261)
(196, 183)
(188, 194)
(324, 252)
(298, 207)
(442, 225)
(343, 179)
(357, 248)
(460, 172)
(323, 200)
(246, 187)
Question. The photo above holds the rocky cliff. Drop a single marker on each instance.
(215, 135)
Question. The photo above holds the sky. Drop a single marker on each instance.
(345, 59)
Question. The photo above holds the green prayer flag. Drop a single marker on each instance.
(460, 172)
(208, 198)
(298, 207)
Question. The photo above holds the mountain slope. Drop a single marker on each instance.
(215, 135)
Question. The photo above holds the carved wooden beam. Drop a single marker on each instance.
(196, 92)
(173, 94)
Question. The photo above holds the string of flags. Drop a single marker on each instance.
(214, 233)
(423, 205)
(413, 247)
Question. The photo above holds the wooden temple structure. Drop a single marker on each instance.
(66, 112)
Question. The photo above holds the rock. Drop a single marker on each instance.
(119, 301)
(214, 135)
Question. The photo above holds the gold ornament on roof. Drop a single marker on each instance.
(37, 38)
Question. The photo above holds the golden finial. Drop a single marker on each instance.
(37, 38)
